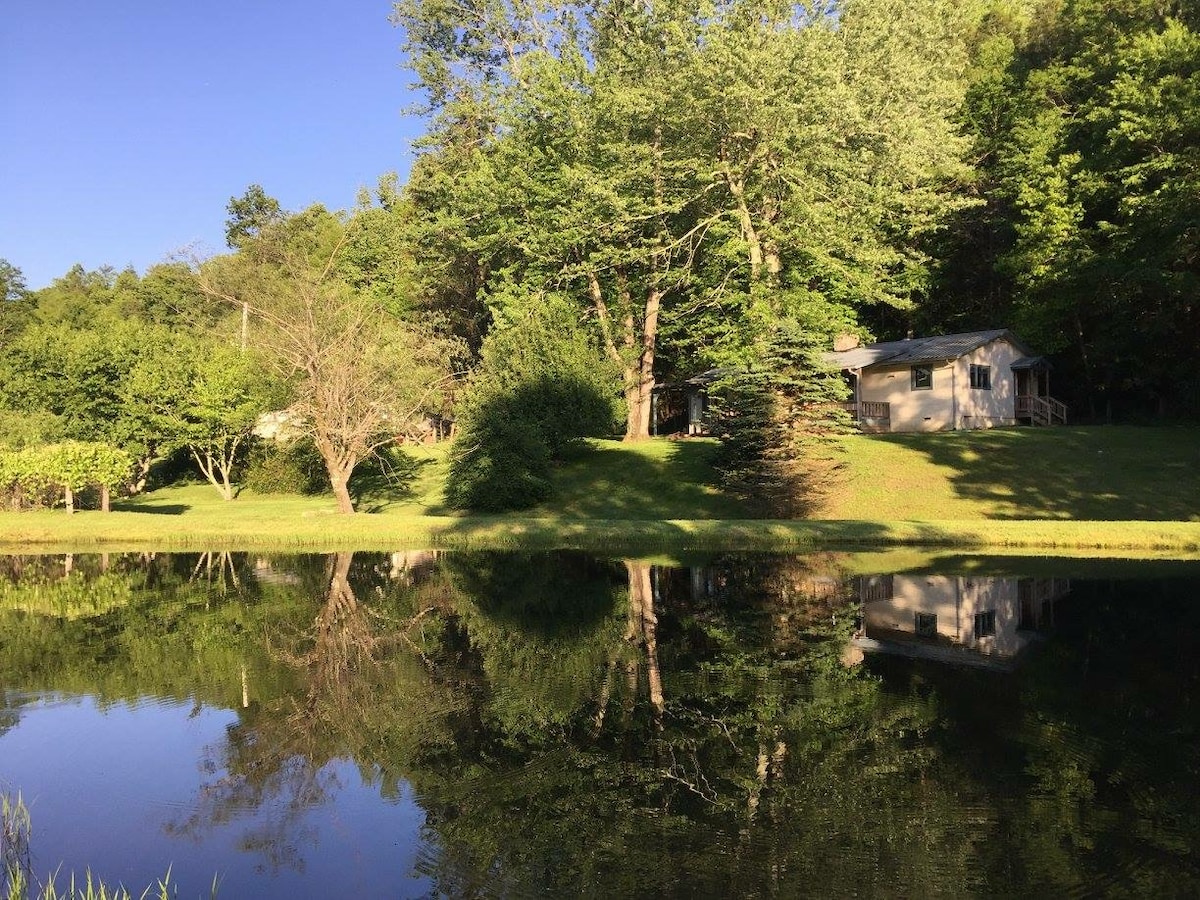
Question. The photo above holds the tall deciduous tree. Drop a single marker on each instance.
(249, 214)
(1085, 128)
(668, 163)
(12, 291)
(206, 402)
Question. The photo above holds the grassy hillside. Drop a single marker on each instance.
(1098, 473)
(1088, 487)
(660, 479)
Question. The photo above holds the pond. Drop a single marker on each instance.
(516, 724)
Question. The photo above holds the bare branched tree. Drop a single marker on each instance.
(359, 375)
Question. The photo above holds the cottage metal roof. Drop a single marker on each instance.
(919, 350)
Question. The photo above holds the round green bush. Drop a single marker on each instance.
(292, 468)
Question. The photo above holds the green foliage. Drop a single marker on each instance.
(360, 375)
(777, 418)
(294, 467)
(541, 387)
(502, 461)
(1084, 119)
(680, 166)
(85, 377)
(576, 393)
(13, 294)
(12, 283)
(30, 474)
(249, 214)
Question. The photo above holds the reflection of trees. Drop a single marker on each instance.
(123, 626)
(567, 722)
(367, 690)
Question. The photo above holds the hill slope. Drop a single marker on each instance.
(1100, 473)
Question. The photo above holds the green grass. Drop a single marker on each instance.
(1098, 473)
(17, 879)
(1087, 491)
(601, 480)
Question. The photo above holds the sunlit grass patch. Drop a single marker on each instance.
(1095, 473)
(661, 496)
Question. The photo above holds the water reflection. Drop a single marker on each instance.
(561, 723)
(958, 619)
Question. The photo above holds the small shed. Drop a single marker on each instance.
(678, 407)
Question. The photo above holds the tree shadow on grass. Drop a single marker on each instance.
(155, 509)
(1093, 473)
(607, 482)
(377, 483)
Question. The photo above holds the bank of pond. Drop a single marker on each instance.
(562, 723)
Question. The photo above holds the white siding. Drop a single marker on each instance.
(952, 403)
(988, 409)
(931, 410)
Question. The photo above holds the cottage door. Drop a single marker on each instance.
(1023, 382)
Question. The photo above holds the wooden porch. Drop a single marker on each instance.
(871, 415)
(1041, 410)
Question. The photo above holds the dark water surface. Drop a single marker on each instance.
(507, 724)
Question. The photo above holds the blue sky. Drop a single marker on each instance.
(130, 123)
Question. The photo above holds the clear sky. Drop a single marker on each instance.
(130, 123)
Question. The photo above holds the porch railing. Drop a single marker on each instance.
(1041, 410)
(869, 412)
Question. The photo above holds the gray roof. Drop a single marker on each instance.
(1031, 362)
(920, 350)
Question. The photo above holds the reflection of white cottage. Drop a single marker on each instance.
(970, 619)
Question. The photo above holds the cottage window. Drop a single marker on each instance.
(925, 624)
(985, 624)
(922, 378)
(981, 377)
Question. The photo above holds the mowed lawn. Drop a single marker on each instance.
(1089, 486)
(650, 480)
(1095, 473)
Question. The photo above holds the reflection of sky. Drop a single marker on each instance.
(102, 784)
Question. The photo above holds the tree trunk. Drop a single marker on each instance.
(339, 468)
(105, 499)
(208, 466)
(637, 425)
(340, 483)
(638, 374)
(70, 500)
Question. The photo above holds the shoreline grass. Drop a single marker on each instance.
(125, 531)
(999, 491)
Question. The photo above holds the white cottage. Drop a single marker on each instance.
(981, 379)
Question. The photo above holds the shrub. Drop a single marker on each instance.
(294, 467)
(36, 475)
(501, 463)
(541, 387)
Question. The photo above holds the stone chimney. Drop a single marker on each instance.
(844, 342)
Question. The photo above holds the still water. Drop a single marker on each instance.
(505, 724)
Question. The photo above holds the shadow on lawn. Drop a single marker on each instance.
(377, 484)
(611, 483)
(153, 509)
(1098, 473)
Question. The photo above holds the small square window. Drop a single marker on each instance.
(981, 377)
(985, 624)
(926, 624)
(922, 378)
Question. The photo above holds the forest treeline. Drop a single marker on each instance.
(614, 195)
